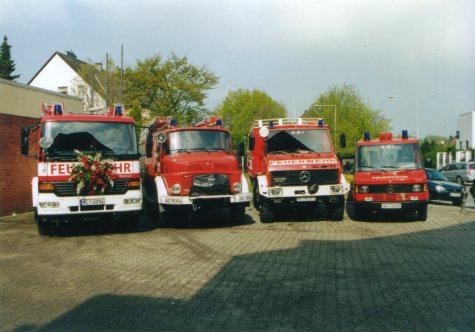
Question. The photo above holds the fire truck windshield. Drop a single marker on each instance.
(197, 140)
(298, 141)
(388, 156)
(111, 138)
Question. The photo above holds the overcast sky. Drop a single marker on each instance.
(292, 49)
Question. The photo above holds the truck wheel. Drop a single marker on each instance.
(44, 227)
(422, 214)
(266, 214)
(238, 211)
(335, 212)
(255, 196)
(130, 222)
(358, 214)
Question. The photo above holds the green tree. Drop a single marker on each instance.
(171, 87)
(433, 144)
(241, 108)
(353, 115)
(7, 65)
(106, 82)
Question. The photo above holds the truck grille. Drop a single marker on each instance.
(210, 184)
(65, 189)
(299, 178)
(392, 188)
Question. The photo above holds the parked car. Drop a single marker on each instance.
(440, 188)
(461, 172)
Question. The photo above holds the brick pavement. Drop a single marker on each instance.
(290, 275)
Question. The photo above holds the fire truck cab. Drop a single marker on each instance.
(61, 136)
(192, 168)
(389, 176)
(292, 163)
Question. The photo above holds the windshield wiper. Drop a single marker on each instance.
(279, 152)
(373, 167)
(180, 150)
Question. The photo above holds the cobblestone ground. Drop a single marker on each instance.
(212, 274)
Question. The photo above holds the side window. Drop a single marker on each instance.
(453, 167)
(463, 166)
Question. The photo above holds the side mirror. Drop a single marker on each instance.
(342, 140)
(24, 143)
(240, 151)
(252, 142)
(149, 145)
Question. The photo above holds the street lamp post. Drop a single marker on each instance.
(334, 109)
(417, 109)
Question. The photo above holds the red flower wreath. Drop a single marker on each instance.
(92, 174)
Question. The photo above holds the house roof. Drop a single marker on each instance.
(69, 58)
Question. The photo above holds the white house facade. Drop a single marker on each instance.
(61, 74)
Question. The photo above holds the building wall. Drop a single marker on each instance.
(21, 106)
(465, 126)
(16, 170)
(54, 75)
(24, 100)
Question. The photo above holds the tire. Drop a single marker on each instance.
(359, 214)
(44, 227)
(238, 212)
(459, 180)
(422, 214)
(457, 203)
(336, 211)
(130, 221)
(266, 214)
(255, 195)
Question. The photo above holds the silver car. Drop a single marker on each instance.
(461, 172)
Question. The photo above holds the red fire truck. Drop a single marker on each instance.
(109, 183)
(389, 176)
(292, 163)
(192, 168)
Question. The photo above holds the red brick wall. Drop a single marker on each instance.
(16, 170)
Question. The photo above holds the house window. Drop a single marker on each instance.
(63, 90)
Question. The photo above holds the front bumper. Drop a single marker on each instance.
(242, 198)
(393, 207)
(51, 205)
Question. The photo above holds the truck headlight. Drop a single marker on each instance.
(49, 205)
(335, 189)
(363, 189)
(275, 192)
(176, 188)
(416, 188)
(237, 187)
(132, 200)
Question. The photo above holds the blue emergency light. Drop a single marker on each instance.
(320, 122)
(271, 124)
(173, 123)
(367, 136)
(118, 110)
(405, 135)
(219, 122)
(58, 109)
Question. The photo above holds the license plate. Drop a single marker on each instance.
(391, 205)
(455, 195)
(306, 199)
(92, 201)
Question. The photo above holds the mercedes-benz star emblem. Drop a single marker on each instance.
(390, 189)
(304, 176)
